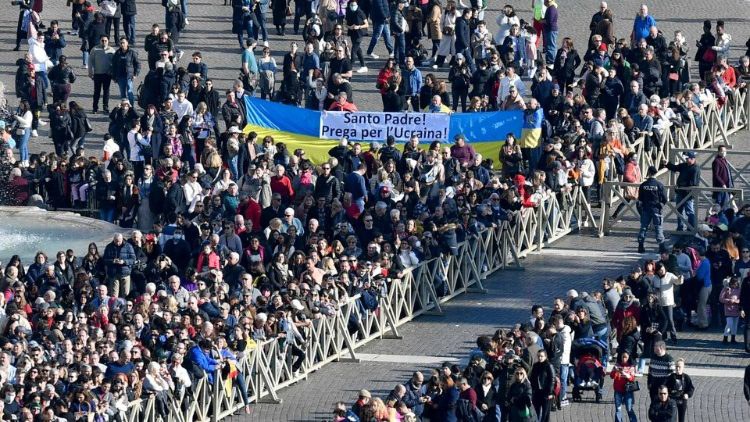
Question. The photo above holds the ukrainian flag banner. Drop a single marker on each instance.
(301, 128)
(532, 128)
(486, 132)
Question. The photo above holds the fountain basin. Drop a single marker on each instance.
(26, 230)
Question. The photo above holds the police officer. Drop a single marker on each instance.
(690, 175)
(651, 198)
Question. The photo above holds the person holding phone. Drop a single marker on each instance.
(623, 375)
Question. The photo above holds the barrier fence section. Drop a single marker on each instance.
(267, 366)
(713, 127)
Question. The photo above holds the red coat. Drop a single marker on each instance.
(283, 186)
(211, 261)
(622, 378)
(347, 106)
(251, 211)
(621, 313)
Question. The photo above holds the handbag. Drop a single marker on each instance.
(632, 387)
(288, 10)
(87, 125)
(108, 8)
(447, 31)
(709, 56)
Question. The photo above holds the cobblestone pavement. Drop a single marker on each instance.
(578, 261)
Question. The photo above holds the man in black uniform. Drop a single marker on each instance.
(690, 174)
(652, 197)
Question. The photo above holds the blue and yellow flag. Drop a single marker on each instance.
(532, 128)
(300, 128)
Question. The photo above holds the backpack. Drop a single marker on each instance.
(693, 255)
(267, 81)
(140, 98)
(466, 412)
(369, 300)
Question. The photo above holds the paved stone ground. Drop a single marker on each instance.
(578, 261)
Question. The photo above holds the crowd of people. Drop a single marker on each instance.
(238, 239)
(526, 372)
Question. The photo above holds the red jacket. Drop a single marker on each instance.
(211, 261)
(621, 313)
(251, 211)
(283, 186)
(347, 106)
(621, 378)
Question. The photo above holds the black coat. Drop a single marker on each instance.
(519, 397)
(125, 64)
(463, 34)
(662, 413)
(60, 127)
(78, 123)
(542, 379)
(128, 7)
(565, 69)
(176, 199)
(392, 102)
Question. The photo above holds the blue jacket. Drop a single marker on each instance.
(446, 406)
(54, 48)
(703, 273)
(463, 35)
(413, 81)
(199, 358)
(355, 183)
(124, 252)
(641, 26)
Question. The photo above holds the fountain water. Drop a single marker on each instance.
(26, 230)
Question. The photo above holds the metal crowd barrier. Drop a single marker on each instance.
(267, 367)
(713, 128)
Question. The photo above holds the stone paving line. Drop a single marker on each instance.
(210, 23)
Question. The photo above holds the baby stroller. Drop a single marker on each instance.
(588, 368)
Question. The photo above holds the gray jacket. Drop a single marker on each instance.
(100, 60)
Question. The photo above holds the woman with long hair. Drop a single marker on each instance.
(622, 374)
(566, 63)
(24, 118)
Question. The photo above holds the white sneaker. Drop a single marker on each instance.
(434, 66)
(391, 55)
(34, 134)
(374, 56)
(265, 43)
(42, 122)
(187, 22)
(564, 403)
(362, 69)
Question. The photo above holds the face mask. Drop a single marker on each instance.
(9, 398)
(179, 236)
(723, 154)
(354, 8)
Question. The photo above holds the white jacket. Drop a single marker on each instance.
(665, 285)
(588, 171)
(504, 23)
(38, 56)
(722, 46)
(25, 120)
(567, 334)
